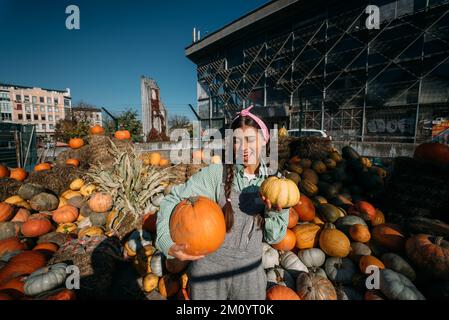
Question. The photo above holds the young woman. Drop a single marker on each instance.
(235, 270)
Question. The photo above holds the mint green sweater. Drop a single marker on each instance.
(207, 182)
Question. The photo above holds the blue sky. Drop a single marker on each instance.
(118, 42)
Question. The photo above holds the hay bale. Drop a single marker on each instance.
(194, 168)
(97, 258)
(97, 150)
(57, 179)
(314, 148)
(8, 188)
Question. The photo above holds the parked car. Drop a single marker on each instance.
(308, 133)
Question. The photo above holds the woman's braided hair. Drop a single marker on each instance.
(227, 208)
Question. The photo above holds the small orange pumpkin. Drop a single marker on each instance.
(76, 143)
(305, 209)
(163, 163)
(6, 211)
(47, 247)
(18, 174)
(279, 292)
(359, 233)
(96, 129)
(155, 159)
(366, 261)
(72, 162)
(42, 166)
(65, 214)
(287, 243)
(100, 202)
(4, 171)
(122, 135)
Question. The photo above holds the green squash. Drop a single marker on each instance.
(329, 212)
(349, 153)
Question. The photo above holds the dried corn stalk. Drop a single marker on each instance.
(135, 187)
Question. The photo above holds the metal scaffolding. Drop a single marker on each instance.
(357, 83)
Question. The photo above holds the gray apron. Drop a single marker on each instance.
(235, 270)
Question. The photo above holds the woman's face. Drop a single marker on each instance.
(247, 145)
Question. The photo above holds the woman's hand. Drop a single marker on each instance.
(268, 204)
(178, 251)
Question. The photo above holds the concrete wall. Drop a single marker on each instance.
(379, 149)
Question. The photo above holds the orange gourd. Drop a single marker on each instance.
(287, 243)
(366, 261)
(72, 162)
(96, 129)
(18, 174)
(4, 171)
(305, 209)
(100, 202)
(36, 227)
(122, 135)
(279, 292)
(65, 214)
(6, 211)
(306, 235)
(292, 218)
(76, 143)
(359, 233)
(42, 166)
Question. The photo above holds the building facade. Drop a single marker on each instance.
(154, 113)
(37, 106)
(89, 114)
(361, 70)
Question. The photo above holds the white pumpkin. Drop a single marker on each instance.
(137, 240)
(290, 262)
(397, 263)
(270, 256)
(319, 272)
(45, 279)
(340, 270)
(281, 277)
(312, 258)
(396, 286)
(157, 263)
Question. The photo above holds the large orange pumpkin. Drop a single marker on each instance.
(42, 166)
(6, 211)
(307, 235)
(76, 143)
(36, 227)
(334, 242)
(292, 218)
(96, 129)
(65, 214)
(389, 235)
(4, 171)
(433, 152)
(122, 135)
(100, 202)
(199, 223)
(366, 261)
(305, 209)
(287, 243)
(279, 292)
(72, 162)
(18, 174)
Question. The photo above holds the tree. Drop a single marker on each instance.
(180, 122)
(127, 120)
(67, 129)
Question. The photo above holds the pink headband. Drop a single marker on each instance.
(262, 125)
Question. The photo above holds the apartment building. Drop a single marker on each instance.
(33, 105)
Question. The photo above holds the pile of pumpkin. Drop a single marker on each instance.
(34, 224)
(335, 237)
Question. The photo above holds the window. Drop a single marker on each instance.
(28, 117)
(57, 117)
(43, 117)
(41, 100)
(56, 100)
(66, 102)
(35, 108)
(50, 109)
(51, 126)
(44, 126)
(50, 118)
(20, 116)
(97, 116)
(48, 100)
(36, 117)
(19, 107)
(42, 109)
(26, 98)
(27, 108)
(6, 117)
(56, 109)
(18, 97)
(34, 99)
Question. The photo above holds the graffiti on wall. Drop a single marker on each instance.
(386, 122)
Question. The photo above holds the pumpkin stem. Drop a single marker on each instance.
(192, 200)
